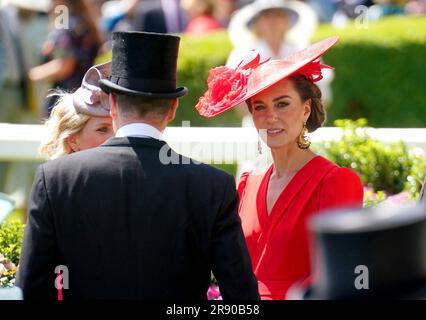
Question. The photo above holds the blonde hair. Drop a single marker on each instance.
(63, 122)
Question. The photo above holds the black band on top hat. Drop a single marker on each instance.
(149, 85)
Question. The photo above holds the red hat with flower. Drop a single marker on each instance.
(229, 87)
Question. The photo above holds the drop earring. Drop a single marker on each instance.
(303, 141)
(259, 145)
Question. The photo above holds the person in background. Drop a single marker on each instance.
(415, 7)
(164, 16)
(201, 18)
(324, 8)
(23, 28)
(274, 29)
(79, 120)
(223, 10)
(276, 202)
(118, 15)
(69, 51)
(383, 8)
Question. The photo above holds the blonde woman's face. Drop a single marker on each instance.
(93, 134)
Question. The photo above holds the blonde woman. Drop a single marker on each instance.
(79, 120)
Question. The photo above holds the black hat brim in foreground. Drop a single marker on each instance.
(108, 87)
(415, 293)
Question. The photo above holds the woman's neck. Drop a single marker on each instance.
(275, 47)
(275, 43)
(289, 160)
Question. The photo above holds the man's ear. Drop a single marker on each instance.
(113, 111)
(172, 112)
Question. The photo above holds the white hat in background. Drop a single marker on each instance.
(303, 21)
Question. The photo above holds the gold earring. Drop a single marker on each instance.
(303, 141)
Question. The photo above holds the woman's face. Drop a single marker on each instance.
(272, 24)
(279, 114)
(93, 134)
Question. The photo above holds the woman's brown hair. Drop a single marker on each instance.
(308, 90)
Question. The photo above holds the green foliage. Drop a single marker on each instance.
(383, 167)
(379, 72)
(11, 236)
(372, 199)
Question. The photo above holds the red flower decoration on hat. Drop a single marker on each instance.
(313, 71)
(225, 86)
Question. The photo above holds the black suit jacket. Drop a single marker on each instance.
(128, 226)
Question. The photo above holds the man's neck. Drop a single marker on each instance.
(119, 124)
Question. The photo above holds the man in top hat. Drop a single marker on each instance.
(370, 253)
(125, 221)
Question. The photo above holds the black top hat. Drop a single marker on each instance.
(364, 254)
(144, 64)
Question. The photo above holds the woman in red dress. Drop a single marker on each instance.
(277, 202)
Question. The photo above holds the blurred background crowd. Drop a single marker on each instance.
(36, 55)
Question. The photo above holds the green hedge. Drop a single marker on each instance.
(11, 237)
(391, 168)
(380, 72)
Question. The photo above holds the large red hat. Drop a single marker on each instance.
(228, 87)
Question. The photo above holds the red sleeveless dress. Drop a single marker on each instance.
(279, 242)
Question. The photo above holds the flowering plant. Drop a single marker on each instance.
(11, 236)
(7, 272)
(213, 293)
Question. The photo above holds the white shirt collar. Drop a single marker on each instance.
(139, 130)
